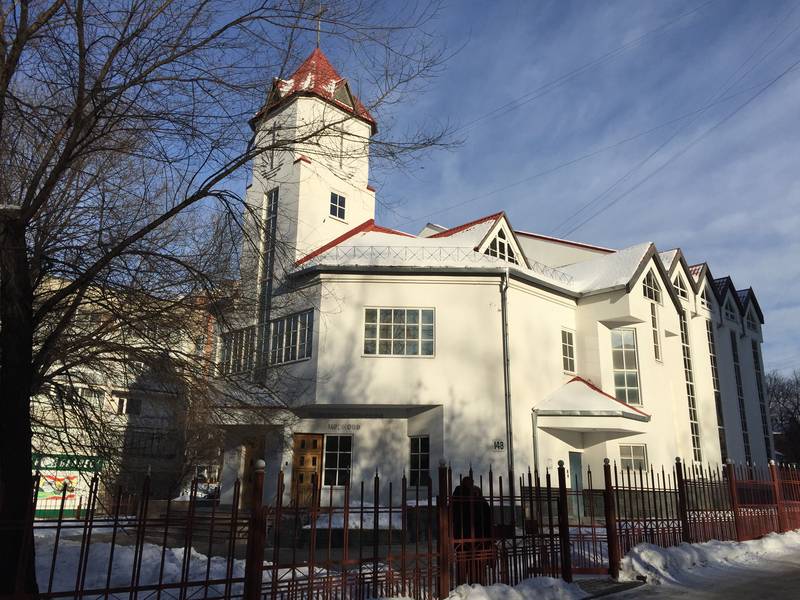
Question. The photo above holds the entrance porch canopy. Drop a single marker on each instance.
(581, 407)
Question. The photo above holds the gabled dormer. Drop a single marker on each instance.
(501, 242)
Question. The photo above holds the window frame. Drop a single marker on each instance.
(705, 300)
(750, 321)
(419, 453)
(680, 287)
(378, 324)
(729, 310)
(337, 452)
(282, 324)
(625, 371)
(337, 205)
(565, 346)
(655, 325)
(633, 459)
(651, 289)
(500, 247)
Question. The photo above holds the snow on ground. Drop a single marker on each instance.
(540, 588)
(679, 565)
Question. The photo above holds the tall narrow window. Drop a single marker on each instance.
(273, 136)
(712, 353)
(291, 337)
(752, 325)
(338, 457)
(650, 287)
(656, 334)
(626, 365)
(705, 300)
(337, 205)
(419, 471)
(694, 422)
(568, 350)
(737, 371)
(762, 400)
(680, 288)
(399, 331)
(500, 247)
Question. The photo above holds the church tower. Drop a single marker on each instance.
(314, 186)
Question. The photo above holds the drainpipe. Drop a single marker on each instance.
(535, 427)
(506, 376)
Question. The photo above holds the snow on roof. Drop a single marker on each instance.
(316, 76)
(668, 257)
(579, 397)
(609, 271)
(549, 238)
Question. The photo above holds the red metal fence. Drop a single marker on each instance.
(382, 539)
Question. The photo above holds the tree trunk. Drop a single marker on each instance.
(16, 377)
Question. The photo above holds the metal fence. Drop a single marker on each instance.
(381, 539)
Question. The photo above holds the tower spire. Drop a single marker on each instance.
(318, 17)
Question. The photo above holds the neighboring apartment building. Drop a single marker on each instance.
(479, 345)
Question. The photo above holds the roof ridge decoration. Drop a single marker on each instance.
(316, 76)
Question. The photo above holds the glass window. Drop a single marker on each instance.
(656, 334)
(399, 331)
(626, 365)
(291, 337)
(650, 287)
(705, 301)
(633, 457)
(500, 247)
(337, 205)
(420, 459)
(338, 456)
(730, 312)
(680, 288)
(568, 350)
(752, 325)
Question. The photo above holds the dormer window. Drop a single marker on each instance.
(705, 302)
(680, 288)
(501, 248)
(730, 312)
(650, 287)
(752, 325)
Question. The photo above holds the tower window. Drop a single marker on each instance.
(337, 205)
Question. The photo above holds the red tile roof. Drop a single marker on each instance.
(363, 228)
(695, 270)
(453, 230)
(562, 241)
(597, 389)
(315, 77)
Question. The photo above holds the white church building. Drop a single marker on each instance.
(476, 344)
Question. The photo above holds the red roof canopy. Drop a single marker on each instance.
(317, 77)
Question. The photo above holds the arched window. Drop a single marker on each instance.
(501, 248)
(650, 287)
(752, 324)
(730, 311)
(705, 299)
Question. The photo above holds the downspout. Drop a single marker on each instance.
(534, 427)
(506, 376)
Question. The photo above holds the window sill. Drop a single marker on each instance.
(290, 362)
(330, 216)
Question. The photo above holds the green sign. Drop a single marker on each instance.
(67, 462)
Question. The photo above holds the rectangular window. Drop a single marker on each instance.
(737, 371)
(337, 205)
(129, 406)
(568, 350)
(237, 351)
(290, 337)
(626, 365)
(419, 471)
(688, 372)
(762, 401)
(712, 353)
(633, 457)
(399, 331)
(338, 456)
(656, 335)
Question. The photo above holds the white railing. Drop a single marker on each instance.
(437, 254)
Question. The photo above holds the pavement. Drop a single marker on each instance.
(775, 579)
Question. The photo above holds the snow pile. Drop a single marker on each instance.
(674, 566)
(540, 588)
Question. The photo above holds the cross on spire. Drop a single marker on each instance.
(318, 17)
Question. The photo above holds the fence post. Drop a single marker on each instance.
(730, 472)
(683, 506)
(611, 522)
(256, 537)
(444, 533)
(563, 525)
(778, 491)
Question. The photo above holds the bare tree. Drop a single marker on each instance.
(123, 137)
(784, 406)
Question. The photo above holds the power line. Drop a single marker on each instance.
(726, 86)
(553, 84)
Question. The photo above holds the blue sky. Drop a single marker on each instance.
(723, 183)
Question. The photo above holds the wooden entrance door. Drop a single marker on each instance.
(306, 466)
